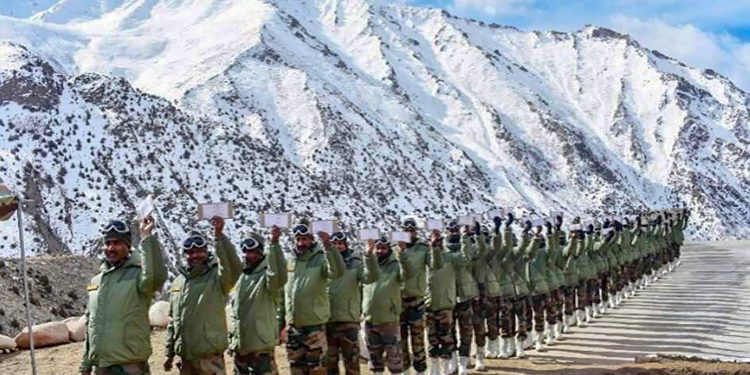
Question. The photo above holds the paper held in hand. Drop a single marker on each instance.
(369, 234)
(435, 224)
(283, 221)
(145, 208)
(401, 237)
(496, 213)
(328, 226)
(209, 210)
(466, 220)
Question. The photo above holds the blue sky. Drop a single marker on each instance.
(701, 33)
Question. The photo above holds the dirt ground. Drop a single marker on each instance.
(64, 360)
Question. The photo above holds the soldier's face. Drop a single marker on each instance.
(382, 250)
(196, 256)
(115, 250)
(253, 257)
(304, 243)
(340, 246)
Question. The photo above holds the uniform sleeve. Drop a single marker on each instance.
(169, 344)
(85, 361)
(370, 271)
(531, 248)
(335, 266)
(437, 260)
(406, 267)
(276, 274)
(230, 264)
(154, 270)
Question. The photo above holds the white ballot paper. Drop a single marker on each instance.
(538, 222)
(466, 220)
(401, 237)
(209, 210)
(369, 234)
(328, 226)
(496, 213)
(283, 221)
(146, 207)
(435, 224)
(573, 227)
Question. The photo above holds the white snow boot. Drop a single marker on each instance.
(434, 366)
(446, 366)
(508, 348)
(453, 366)
(479, 363)
(493, 348)
(463, 365)
(551, 334)
(519, 348)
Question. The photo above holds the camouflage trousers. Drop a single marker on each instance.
(255, 363)
(582, 292)
(570, 300)
(538, 305)
(479, 307)
(514, 322)
(491, 316)
(384, 345)
(462, 320)
(412, 326)
(343, 342)
(605, 284)
(208, 365)
(555, 302)
(128, 369)
(305, 348)
(439, 329)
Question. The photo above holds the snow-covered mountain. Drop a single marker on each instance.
(357, 109)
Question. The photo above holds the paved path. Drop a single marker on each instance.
(700, 309)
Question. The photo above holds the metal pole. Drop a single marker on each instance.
(26, 286)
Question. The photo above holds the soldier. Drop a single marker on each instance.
(467, 292)
(441, 301)
(345, 293)
(485, 307)
(555, 277)
(118, 333)
(536, 263)
(569, 256)
(413, 301)
(516, 324)
(257, 295)
(306, 301)
(197, 330)
(382, 306)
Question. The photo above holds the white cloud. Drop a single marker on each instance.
(695, 47)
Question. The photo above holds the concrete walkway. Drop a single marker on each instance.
(700, 309)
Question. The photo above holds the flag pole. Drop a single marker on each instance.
(19, 215)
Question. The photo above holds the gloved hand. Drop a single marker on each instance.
(498, 223)
(476, 229)
(527, 226)
(510, 220)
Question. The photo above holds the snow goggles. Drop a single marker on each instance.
(409, 225)
(301, 230)
(338, 236)
(194, 241)
(118, 226)
(249, 244)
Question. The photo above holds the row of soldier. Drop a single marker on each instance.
(504, 292)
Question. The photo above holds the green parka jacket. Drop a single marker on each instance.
(117, 326)
(256, 297)
(197, 301)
